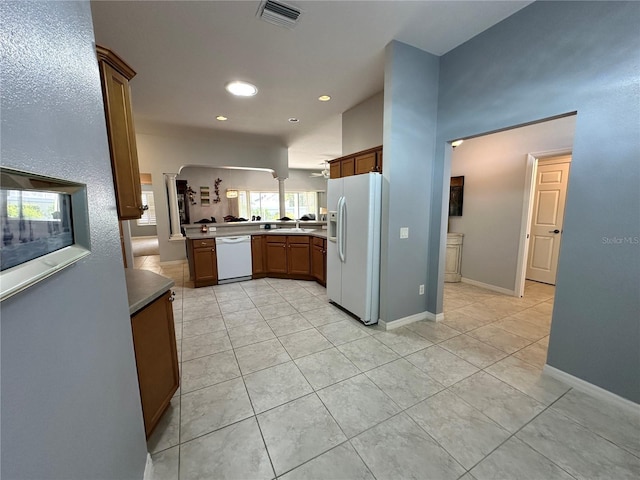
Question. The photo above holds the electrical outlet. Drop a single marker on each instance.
(404, 232)
(421, 290)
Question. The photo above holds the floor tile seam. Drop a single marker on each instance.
(255, 416)
(183, 393)
(513, 435)
(207, 333)
(280, 404)
(202, 356)
(217, 429)
(471, 363)
(419, 401)
(309, 354)
(593, 431)
(516, 388)
(372, 368)
(531, 446)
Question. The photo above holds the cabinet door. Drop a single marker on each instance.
(317, 263)
(205, 266)
(379, 161)
(366, 163)
(154, 343)
(299, 256)
(257, 255)
(277, 256)
(348, 167)
(334, 169)
(122, 143)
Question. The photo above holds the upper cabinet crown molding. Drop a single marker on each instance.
(115, 74)
(113, 59)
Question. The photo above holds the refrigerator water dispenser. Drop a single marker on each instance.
(333, 226)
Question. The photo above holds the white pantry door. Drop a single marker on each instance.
(546, 221)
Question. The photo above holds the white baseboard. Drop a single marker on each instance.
(401, 322)
(488, 286)
(591, 389)
(144, 237)
(148, 469)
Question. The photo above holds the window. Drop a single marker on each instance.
(149, 215)
(30, 205)
(266, 205)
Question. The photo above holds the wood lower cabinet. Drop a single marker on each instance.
(298, 261)
(115, 75)
(319, 260)
(203, 262)
(276, 251)
(357, 163)
(258, 256)
(288, 256)
(154, 343)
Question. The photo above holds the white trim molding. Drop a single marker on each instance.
(401, 322)
(488, 286)
(148, 468)
(591, 389)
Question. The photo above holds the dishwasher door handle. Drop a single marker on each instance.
(233, 239)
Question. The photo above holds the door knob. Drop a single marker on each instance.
(554, 231)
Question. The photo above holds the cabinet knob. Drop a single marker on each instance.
(213, 249)
(172, 297)
(203, 244)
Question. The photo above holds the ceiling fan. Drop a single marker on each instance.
(324, 173)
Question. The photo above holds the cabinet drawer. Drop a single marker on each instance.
(206, 242)
(298, 239)
(318, 241)
(276, 238)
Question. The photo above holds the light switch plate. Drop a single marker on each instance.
(404, 232)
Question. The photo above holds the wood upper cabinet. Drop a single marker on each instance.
(205, 262)
(348, 167)
(298, 255)
(335, 170)
(154, 343)
(366, 163)
(258, 256)
(319, 260)
(115, 75)
(357, 163)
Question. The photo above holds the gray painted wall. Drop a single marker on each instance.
(410, 103)
(70, 402)
(165, 149)
(362, 125)
(494, 169)
(551, 58)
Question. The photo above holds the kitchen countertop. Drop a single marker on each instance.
(143, 287)
(254, 231)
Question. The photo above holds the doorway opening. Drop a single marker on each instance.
(499, 169)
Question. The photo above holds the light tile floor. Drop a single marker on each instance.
(277, 383)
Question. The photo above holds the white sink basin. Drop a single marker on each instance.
(294, 230)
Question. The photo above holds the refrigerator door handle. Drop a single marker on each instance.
(343, 229)
(339, 229)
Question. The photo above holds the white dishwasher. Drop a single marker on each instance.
(234, 258)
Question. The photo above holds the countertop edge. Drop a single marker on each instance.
(202, 236)
(143, 287)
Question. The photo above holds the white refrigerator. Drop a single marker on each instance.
(353, 249)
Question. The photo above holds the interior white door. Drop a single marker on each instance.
(546, 221)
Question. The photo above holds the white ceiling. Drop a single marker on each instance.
(185, 52)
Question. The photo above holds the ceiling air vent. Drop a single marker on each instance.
(278, 13)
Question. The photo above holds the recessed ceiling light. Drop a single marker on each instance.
(324, 98)
(222, 118)
(293, 120)
(241, 89)
(456, 143)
